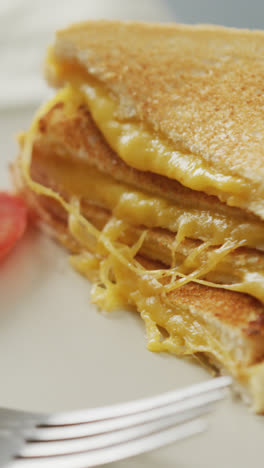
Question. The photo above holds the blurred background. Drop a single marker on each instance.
(238, 13)
(27, 26)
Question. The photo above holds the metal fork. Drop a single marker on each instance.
(96, 436)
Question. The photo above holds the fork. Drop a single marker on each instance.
(96, 436)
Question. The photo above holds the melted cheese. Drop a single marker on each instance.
(120, 286)
(142, 148)
(139, 208)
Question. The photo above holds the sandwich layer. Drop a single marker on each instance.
(240, 269)
(185, 95)
(67, 130)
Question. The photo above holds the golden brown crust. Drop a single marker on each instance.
(229, 307)
(201, 86)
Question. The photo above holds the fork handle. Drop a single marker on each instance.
(10, 444)
(14, 426)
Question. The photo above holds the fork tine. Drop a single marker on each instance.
(117, 452)
(197, 405)
(178, 413)
(113, 411)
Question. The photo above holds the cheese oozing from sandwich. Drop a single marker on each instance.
(121, 278)
(141, 147)
(81, 181)
(177, 297)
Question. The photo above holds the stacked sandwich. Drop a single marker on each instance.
(148, 165)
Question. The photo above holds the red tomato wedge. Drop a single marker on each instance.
(13, 221)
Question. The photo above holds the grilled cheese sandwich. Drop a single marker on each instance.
(140, 198)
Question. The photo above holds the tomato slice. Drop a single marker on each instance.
(13, 221)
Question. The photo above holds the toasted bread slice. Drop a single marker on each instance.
(198, 87)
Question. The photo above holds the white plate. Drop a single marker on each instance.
(57, 352)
